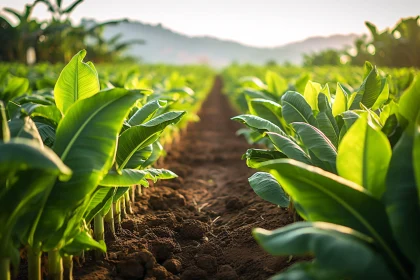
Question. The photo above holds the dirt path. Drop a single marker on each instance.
(199, 225)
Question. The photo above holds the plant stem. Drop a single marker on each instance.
(133, 194)
(117, 212)
(123, 207)
(68, 267)
(34, 265)
(98, 233)
(139, 190)
(5, 269)
(128, 203)
(109, 220)
(55, 265)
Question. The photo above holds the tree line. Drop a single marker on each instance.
(396, 47)
(56, 39)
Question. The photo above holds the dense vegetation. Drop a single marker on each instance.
(57, 39)
(75, 147)
(345, 158)
(393, 47)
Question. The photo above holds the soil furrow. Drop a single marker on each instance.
(197, 226)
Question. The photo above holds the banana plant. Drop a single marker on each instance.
(369, 211)
(137, 149)
(309, 127)
(28, 174)
(86, 140)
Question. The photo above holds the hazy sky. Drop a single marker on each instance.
(258, 23)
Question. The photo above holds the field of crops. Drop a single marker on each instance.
(166, 172)
(345, 158)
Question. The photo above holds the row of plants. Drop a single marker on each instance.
(74, 156)
(346, 161)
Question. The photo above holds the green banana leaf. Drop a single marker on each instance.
(253, 156)
(146, 112)
(25, 128)
(322, 151)
(27, 175)
(401, 197)
(326, 121)
(364, 155)
(140, 136)
(268, 110)
(78, 80)
(266, 187)
(341, 100)
(259, 124)
(100, 200)
(329, 198)
(86, 142)
(296, 109)
(340, 252)
(288, 147)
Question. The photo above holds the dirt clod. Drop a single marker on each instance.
(162, 248)
(194, 273)
(234, 203)
(173, 265)
(193, 229)
(226, 272)
(207, 263)
(159, 272)
(147, 258)
(130, 269)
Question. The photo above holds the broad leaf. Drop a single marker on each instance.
(146, 112)
(99, 201)
(402, 197)
(409, 104)
(329, 198)
(266, 187)
(288, 147)
(268, 110)
(340, 104)
(319, 146)
(86, 142)
(276, 84)
(78, 80)
(82, 242)
(296, 109)
(364, 155)
(339, 251)
(140, 136)
(326, 122)
(259, 124)
(254, 156)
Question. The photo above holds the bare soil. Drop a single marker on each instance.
(197, 226)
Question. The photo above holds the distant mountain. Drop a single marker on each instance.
(167, 46)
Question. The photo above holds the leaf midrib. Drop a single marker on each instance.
(297, 111)
(82, 127)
